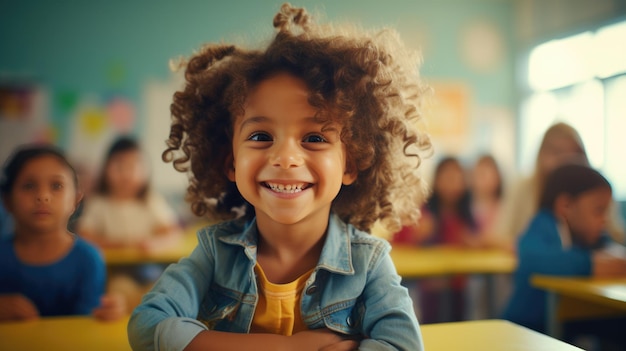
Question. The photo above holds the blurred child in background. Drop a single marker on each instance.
(446, 220)
(47, 270)
(486, 193)
(447, 217)
(486, 187)
(564, 239)
(124, 212)
(561, 144)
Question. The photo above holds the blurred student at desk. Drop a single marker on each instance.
(46, 270)
(446, 220)
(561, 144)
(566, 238)
(125, 212)
(486, 187)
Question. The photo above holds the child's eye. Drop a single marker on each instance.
(57, 186)
(260, 136)
(314, 138)
(28, 186)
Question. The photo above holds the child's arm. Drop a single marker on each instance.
(540, 251)
(425, 228)
(607, 265)
(112, 307)
(173, 301)
(166, 318)
(311, 340)
(166, 232)
(17, 307)
(389, 322)
(94, 238)
(164, 238)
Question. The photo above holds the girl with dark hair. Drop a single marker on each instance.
(46, 270)
(561, 144)
(448, 207)
(486, 193)
(123, 210)
(446, 220)
(565, 238)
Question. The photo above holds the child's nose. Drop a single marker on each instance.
(286, 154)
(43, 196)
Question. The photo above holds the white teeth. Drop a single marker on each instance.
(286, 188)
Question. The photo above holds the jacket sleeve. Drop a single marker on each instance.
(541, 251)
(389, 322)
(165, 319)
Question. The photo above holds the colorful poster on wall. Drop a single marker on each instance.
(16, 101)
(447, 115)
(94, 123)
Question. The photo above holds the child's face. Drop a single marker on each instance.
(285, 165)
(586, 215)
(43, 196)
(450, 182)
(126, 174)
(485, 178)
(558, 151)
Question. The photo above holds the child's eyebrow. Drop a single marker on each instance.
(254, 120)
(59, 176)
(263, 119)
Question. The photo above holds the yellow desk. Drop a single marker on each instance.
(130, 255)
(85, 333)
(417, 262)
(490, 335)
(410, 262)
(581, 298)
(65, 334)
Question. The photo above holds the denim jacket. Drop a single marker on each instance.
(354, 290)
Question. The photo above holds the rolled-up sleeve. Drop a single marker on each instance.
(175, 333)
(165, 319)
(390, 322)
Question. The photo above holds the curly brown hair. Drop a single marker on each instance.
(368, 82)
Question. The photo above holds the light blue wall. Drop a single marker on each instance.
(111, 48)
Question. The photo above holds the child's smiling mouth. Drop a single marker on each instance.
(287, 188)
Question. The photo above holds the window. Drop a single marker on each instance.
(580, 80)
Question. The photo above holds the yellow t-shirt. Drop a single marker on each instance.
(278, 308)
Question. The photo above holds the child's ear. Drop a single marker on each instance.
(79, 197)
(229, 165)
(350, 173)
(562, 204)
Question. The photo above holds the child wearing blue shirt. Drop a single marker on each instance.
(565, 238)
(46, 270)
(314, 139)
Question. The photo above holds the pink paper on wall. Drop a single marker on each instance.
(121, 114)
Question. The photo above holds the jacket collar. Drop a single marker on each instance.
(336, 254)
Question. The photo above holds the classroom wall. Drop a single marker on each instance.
(101, 68)
(92, 70)
(542, 20)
